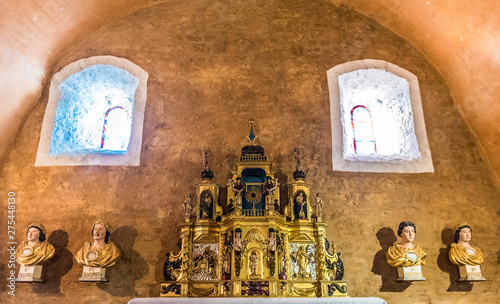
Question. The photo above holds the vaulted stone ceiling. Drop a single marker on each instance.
(461, 38)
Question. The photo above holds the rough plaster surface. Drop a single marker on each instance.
(213, 66)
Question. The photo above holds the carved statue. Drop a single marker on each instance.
(319, 206)
(237, 242)
(188, 207)
(268, 189)
(205, 204)
(297, 155)
(206, 159)
(253, 263)
(211, 265)
(405, 253)
(302, 260)
(272, 241)
(277, 206)
(238, 188)
(101, 252)
(300, 205)
(226, 265)
(35, 250)
(283, 264)
(462, 252)
(311, 261)
(282, 255)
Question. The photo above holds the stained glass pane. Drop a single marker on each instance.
(362, 125)
(115, 136)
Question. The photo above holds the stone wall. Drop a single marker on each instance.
(212, 66)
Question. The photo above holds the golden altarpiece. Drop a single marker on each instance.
(260, 244)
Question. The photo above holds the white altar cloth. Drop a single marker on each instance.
(257, 301)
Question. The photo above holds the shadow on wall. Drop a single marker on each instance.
(57, 267)
(283, 180)
(386, 238)
(443, 261)
(223, 199)
(129, 268)
(3, 279)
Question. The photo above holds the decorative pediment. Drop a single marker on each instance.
(206, 238)
(303, 238)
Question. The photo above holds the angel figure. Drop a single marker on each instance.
(237, 189)
(268, 188)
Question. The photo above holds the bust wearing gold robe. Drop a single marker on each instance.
(101, 252)
(462, 252)
(35, 250)
(405, 253)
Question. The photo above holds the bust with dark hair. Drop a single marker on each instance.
(462, 252)
(101, 252)
(458, 229)
(404, 224)
(35, 250)
(405, 253)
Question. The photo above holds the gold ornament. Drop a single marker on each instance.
(254, 249)
(462, 224)
(253, 195)
(104, 223)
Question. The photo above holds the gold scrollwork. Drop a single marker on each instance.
(255, 234)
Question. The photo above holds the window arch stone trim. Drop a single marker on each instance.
(133, 156)
(424, 164)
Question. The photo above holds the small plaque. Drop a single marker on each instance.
(470, 273)
(30, 273)
(410, 273)
(93, 274)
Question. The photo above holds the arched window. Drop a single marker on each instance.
(377, 119)
(376, 104)
(362, 129)
(87, 98)
(95, 114)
